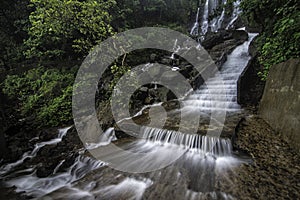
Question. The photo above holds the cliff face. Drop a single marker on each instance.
(280, 104)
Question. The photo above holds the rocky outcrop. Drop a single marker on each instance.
(280, 104)
(222, 43)
(250, 85)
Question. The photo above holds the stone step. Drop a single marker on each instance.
(211, 104)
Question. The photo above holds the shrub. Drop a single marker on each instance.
(45, 94)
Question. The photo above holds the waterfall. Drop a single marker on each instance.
(176, 48)
(216, 23)
(7, 168)
(195, 29)
(220, 91)
(191, 142)
(204, 26)
(193, 175)
(210, 7)
(235, 14)
(38, 187)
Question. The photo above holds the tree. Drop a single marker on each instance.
(14, 22)
(67, 27)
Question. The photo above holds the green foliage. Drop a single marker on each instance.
(280, 21)
(43, 93)
(67, 26)
(283, 43)
(14, 22)
(118, 72)
(138, 13)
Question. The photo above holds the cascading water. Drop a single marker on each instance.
(26, 180)
(204, 25)
(195, 29)
(61, 133)
(190, 142)
(235, 13)
(220, 92)
(217, 21)
(203, 159)
(37, 187)
(210, 8)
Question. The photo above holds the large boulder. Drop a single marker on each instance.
(250, 86)
(280, 104)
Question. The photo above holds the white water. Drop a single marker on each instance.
(26, 180)
(220, 91)
(37, 187)
(189, 142)
(204, 158)
(235, 14)
(176, 48)
(7, 168)
(107, 137)
(215, 24)
(204, 25)
(195, 29)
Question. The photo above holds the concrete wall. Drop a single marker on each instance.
(280, 104)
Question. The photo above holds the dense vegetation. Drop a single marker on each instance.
(44, 42)
(42, 94)
(280, 23)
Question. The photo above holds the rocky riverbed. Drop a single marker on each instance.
(273, 173)
(275, 170)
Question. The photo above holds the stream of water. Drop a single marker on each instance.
(193, 176)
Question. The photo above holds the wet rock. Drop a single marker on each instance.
(222, 43)
(18, 140)
(212, 39)
(47, 134)
(104, 114)
(166, 61)
(250, 86)
(240, 35)
(238, 23)
(186, 70)
(162, 94)
(43, 171)
(10, 193)
(68, 162)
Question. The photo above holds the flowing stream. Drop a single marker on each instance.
(193, 176)
(220, 91)
(204, 160)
